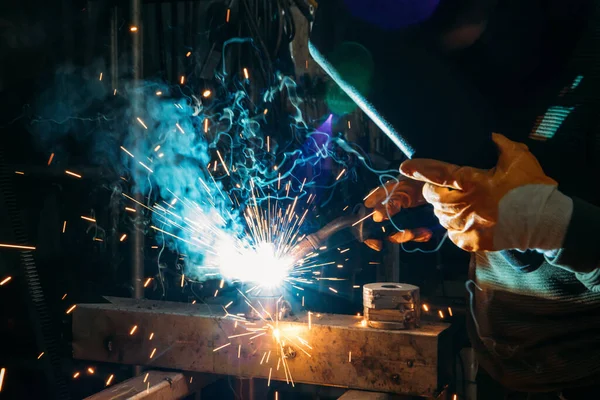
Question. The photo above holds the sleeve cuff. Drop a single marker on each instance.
(591, 280)
(580, 251)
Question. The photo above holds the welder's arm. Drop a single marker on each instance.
(513, 206)
(580, 251)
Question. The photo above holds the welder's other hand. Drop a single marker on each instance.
(512, 206)
(420, 235)
(387, 200)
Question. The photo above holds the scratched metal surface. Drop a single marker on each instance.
(185, 336)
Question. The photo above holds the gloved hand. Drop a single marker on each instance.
(512, 206)
(388, 200)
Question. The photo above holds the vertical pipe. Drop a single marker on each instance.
(137, 240)
(471, 366)
(174, 37)
(115, 205)
(137, 262)
(114, 47)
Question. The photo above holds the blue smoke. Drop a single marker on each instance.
(217, 188)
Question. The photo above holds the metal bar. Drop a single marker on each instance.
(188, 337)
(360, 395)
(156, 385)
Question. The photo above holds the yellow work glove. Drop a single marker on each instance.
(388, 200)
(512, 206)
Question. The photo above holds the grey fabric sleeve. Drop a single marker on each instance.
(580, 252)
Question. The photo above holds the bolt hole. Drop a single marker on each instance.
(391, 286)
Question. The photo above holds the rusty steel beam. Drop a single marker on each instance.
(360, 395)
(156, 385)
(342, 352)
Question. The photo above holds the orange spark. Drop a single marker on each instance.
(73, 174)
(223, 162)
(15, 246)
(222, 347)
(362, 219)
(127, 151)
(50, 159)
(141, 122)
(123, 237)
(5, 280)
(71, 309)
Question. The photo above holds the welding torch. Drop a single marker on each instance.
(362, 227)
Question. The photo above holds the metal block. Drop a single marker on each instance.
(391, 305)
(342, 351)
(390, 295)
(155, 385)
(386, 315)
